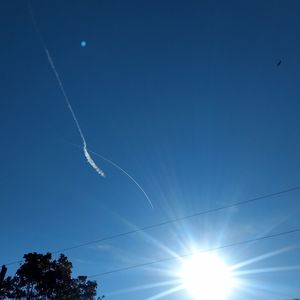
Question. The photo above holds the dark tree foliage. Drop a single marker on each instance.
(41, 278)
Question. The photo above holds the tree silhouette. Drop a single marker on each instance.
(40, 278)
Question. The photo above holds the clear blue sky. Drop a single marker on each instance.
(185, 96)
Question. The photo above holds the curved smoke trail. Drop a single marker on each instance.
(127, 174)
(84, 144)
(122, 170)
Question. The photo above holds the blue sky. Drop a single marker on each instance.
(185, 96)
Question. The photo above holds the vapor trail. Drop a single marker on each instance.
(123, 171)
(86, 152)
(126, 173)
(50, 60)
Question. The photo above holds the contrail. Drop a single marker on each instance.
(84, 144)
(123, 171)
(50, 60)
(126, 173)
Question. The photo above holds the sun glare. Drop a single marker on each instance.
(207, 277)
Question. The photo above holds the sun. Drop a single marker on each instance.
(206, 277)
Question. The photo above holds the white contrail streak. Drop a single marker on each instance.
(126, 173)
(84, 144)
(50, 60)
(85, 150)
(123, 171)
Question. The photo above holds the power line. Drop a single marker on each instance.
(167, 222)
(198, 252)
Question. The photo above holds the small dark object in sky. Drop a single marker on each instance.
(279, 63)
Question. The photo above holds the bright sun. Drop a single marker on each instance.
(206, 277)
